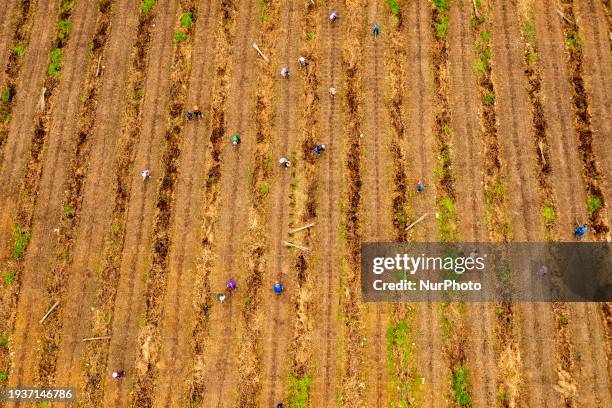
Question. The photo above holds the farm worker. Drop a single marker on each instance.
(284, 72)
(420, 185)
(197, 112)
(278, 288)
(332, 91)
(302, 61)
(220, 297)
(319, 149)
(284, 162)
(236, 139)
(333, 16)
(231, 284)
(189, 115)
(580, 231)
(145, 174)
(279, 405)
(376, 30)
(117, 375)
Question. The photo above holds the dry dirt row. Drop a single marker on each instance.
(7, 21)
(354, 25)
(277, 327)
(224, 331)
(40, 207)
(470, 202)
(179, 314)
(101, 296)
(57, 332)
(133, 258)
(17, 28)
(147, 361)
(377, 223)
(330, 42)
(203, 295)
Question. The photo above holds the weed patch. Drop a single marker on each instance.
(21, 241)
(299, 389)
(462, 386)
(4, 341)
(593, 204)
(55, 67)
(146, 6)
(9, 277)
(186, 20)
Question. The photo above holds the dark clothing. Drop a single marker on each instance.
(189, 115)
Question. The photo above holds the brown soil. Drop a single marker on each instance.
(326, 329)
(219, 361)
(127, 315)
(277, 327)
(46, 170)
(177, 321)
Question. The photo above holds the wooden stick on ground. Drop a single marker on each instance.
(542, 152)
(293, 231)
(261, 53)
(564, 17)
(97, 338)
(49, 312)
(98, 68)
(421, 218)
(475, 9)
(302, 248)
(41, 102)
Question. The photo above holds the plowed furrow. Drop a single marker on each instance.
(326, 378)
(21, 27)
(202, 292)
(352, 385)
(57, 284)
(157, 275)
(95, 355)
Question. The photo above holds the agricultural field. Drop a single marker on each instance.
(502, 108)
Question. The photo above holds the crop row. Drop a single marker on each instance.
(28, 192)
(20, 40)
(224, 39)
(107, 282)
(351, 392)
(158, 273)
(73, 193)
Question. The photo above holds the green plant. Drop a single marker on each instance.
(186, 19)
(310, 35)
(116, 229)
(394, 6)
(574, 41)
(3, 376)
(594, 204)
(179, 37)
(299, 388)
(533, 57)
(107, 318)
(263, 9)
(21, 241)
(442, 26)
(485, 36)
(55, 67)
(64, 27)
(146, 6)
(19, 50)
(66, 6)
(563, 321)
(4, 341)
(441, 5)
(530, 30)
(69, 211)
(462, 386)
(264, 188)
(447, 129)
(9, 277)
(489, 98)
(6, 95)
(549, 214)
(504, 273)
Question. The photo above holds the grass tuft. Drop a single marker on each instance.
(462, 386)
(146, 6)
(187, 19)
(9, 277)
(299, 388)
(594, 203)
